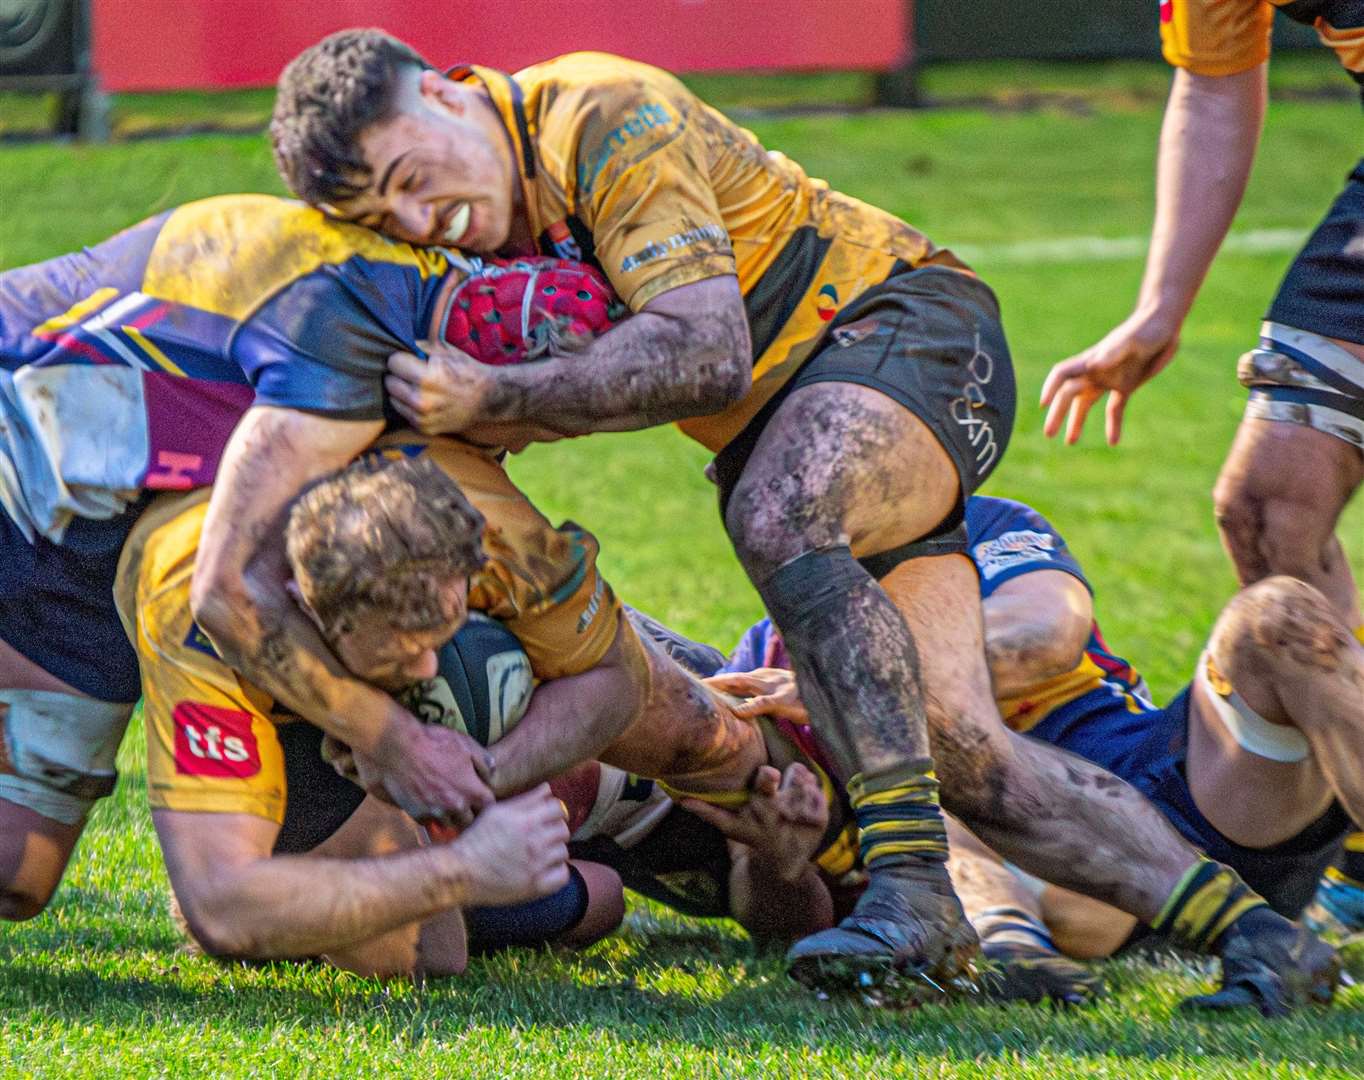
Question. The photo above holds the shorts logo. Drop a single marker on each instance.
(980, 369)
(846, 336)
(212, 741)
(826, 302)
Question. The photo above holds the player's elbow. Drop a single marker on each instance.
(221, 927)
(727, 367)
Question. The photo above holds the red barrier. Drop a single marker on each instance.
(183, 44)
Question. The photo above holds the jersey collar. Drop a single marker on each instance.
(509, 101)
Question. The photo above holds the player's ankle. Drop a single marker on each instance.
(1206, 903)
(900, 825)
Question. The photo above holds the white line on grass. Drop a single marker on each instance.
(1088, 249)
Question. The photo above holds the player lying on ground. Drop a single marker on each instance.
(389, 556)
(853, 378)
(239, 304)
(1259, 761)
(124, 368)
(1298, 457)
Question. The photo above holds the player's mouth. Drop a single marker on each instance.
(456, 224)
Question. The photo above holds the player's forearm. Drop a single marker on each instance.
(651, 369)
(570, 720)
(260, 632)
(1207, 146)
(290, 906)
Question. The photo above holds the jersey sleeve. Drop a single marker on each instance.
(321, 345)
(641, 182)
(1215, 37)
(1008, 539)
(211, 742)
(541, 581)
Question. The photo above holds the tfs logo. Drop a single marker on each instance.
(212, 741)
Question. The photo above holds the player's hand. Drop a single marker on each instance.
(445, 394)
(516, 850)
(1131, 354)
(783, 821)
(768, 692)
(433, 773)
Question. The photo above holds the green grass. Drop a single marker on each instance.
(98, 986)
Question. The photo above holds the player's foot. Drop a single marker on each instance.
(906, 943)
(1022, 963)
(1272, 965)
(1337, 911)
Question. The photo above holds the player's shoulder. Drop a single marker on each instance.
(229, 253)
(598, 114)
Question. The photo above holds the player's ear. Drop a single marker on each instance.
(436, 89)
(296, 594)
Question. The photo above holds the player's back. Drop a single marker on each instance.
(124, 367)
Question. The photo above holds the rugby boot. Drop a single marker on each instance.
(1273, 965)
(1268, 962)
(906, 943)
(1022, 963)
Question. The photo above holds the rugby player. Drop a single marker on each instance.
(1258, 762)
(1298, 456)
(852, 377)
(125, 368)
(237, 784)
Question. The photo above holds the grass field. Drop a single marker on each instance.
(99, 986)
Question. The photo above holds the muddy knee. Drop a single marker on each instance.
(1280, 621)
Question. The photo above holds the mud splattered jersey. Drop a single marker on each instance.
(621, 165)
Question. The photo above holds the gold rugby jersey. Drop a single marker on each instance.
(623, 166)
(211, 742)
(1223, 37)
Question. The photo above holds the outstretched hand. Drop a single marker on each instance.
(783, 821)
(766, 692)
(444, 394)
(1131, 354)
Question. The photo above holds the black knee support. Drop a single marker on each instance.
(803, 585)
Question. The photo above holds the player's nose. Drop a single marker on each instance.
(422, 666)
(416, 219)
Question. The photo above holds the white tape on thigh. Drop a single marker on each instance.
(1278, 364)
(59, 750)
(1276, 742)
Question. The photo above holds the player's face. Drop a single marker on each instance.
(441, 170)
(391, 658)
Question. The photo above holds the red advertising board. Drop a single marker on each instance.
(182, 44)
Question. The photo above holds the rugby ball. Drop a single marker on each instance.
(483, 682)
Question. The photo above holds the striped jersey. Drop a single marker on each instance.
(125, 366)
(622, 166)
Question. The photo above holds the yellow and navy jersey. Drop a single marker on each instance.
(211, 740)
(622, 166)
(1007, 539)
(1224, 37)
(125, 366)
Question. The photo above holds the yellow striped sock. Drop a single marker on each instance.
(1209, 898)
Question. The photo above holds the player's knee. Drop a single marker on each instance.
(1240, 518)
(1276, 622)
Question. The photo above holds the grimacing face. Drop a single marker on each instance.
(442, 169)
(372, 649)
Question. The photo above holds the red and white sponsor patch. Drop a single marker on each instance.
(213, 741)
(1167, 10)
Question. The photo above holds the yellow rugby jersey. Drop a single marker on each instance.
(1223, 37)
(211, 742)
(623, 166)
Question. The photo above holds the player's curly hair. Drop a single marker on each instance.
(325, 99)
(382, 535)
